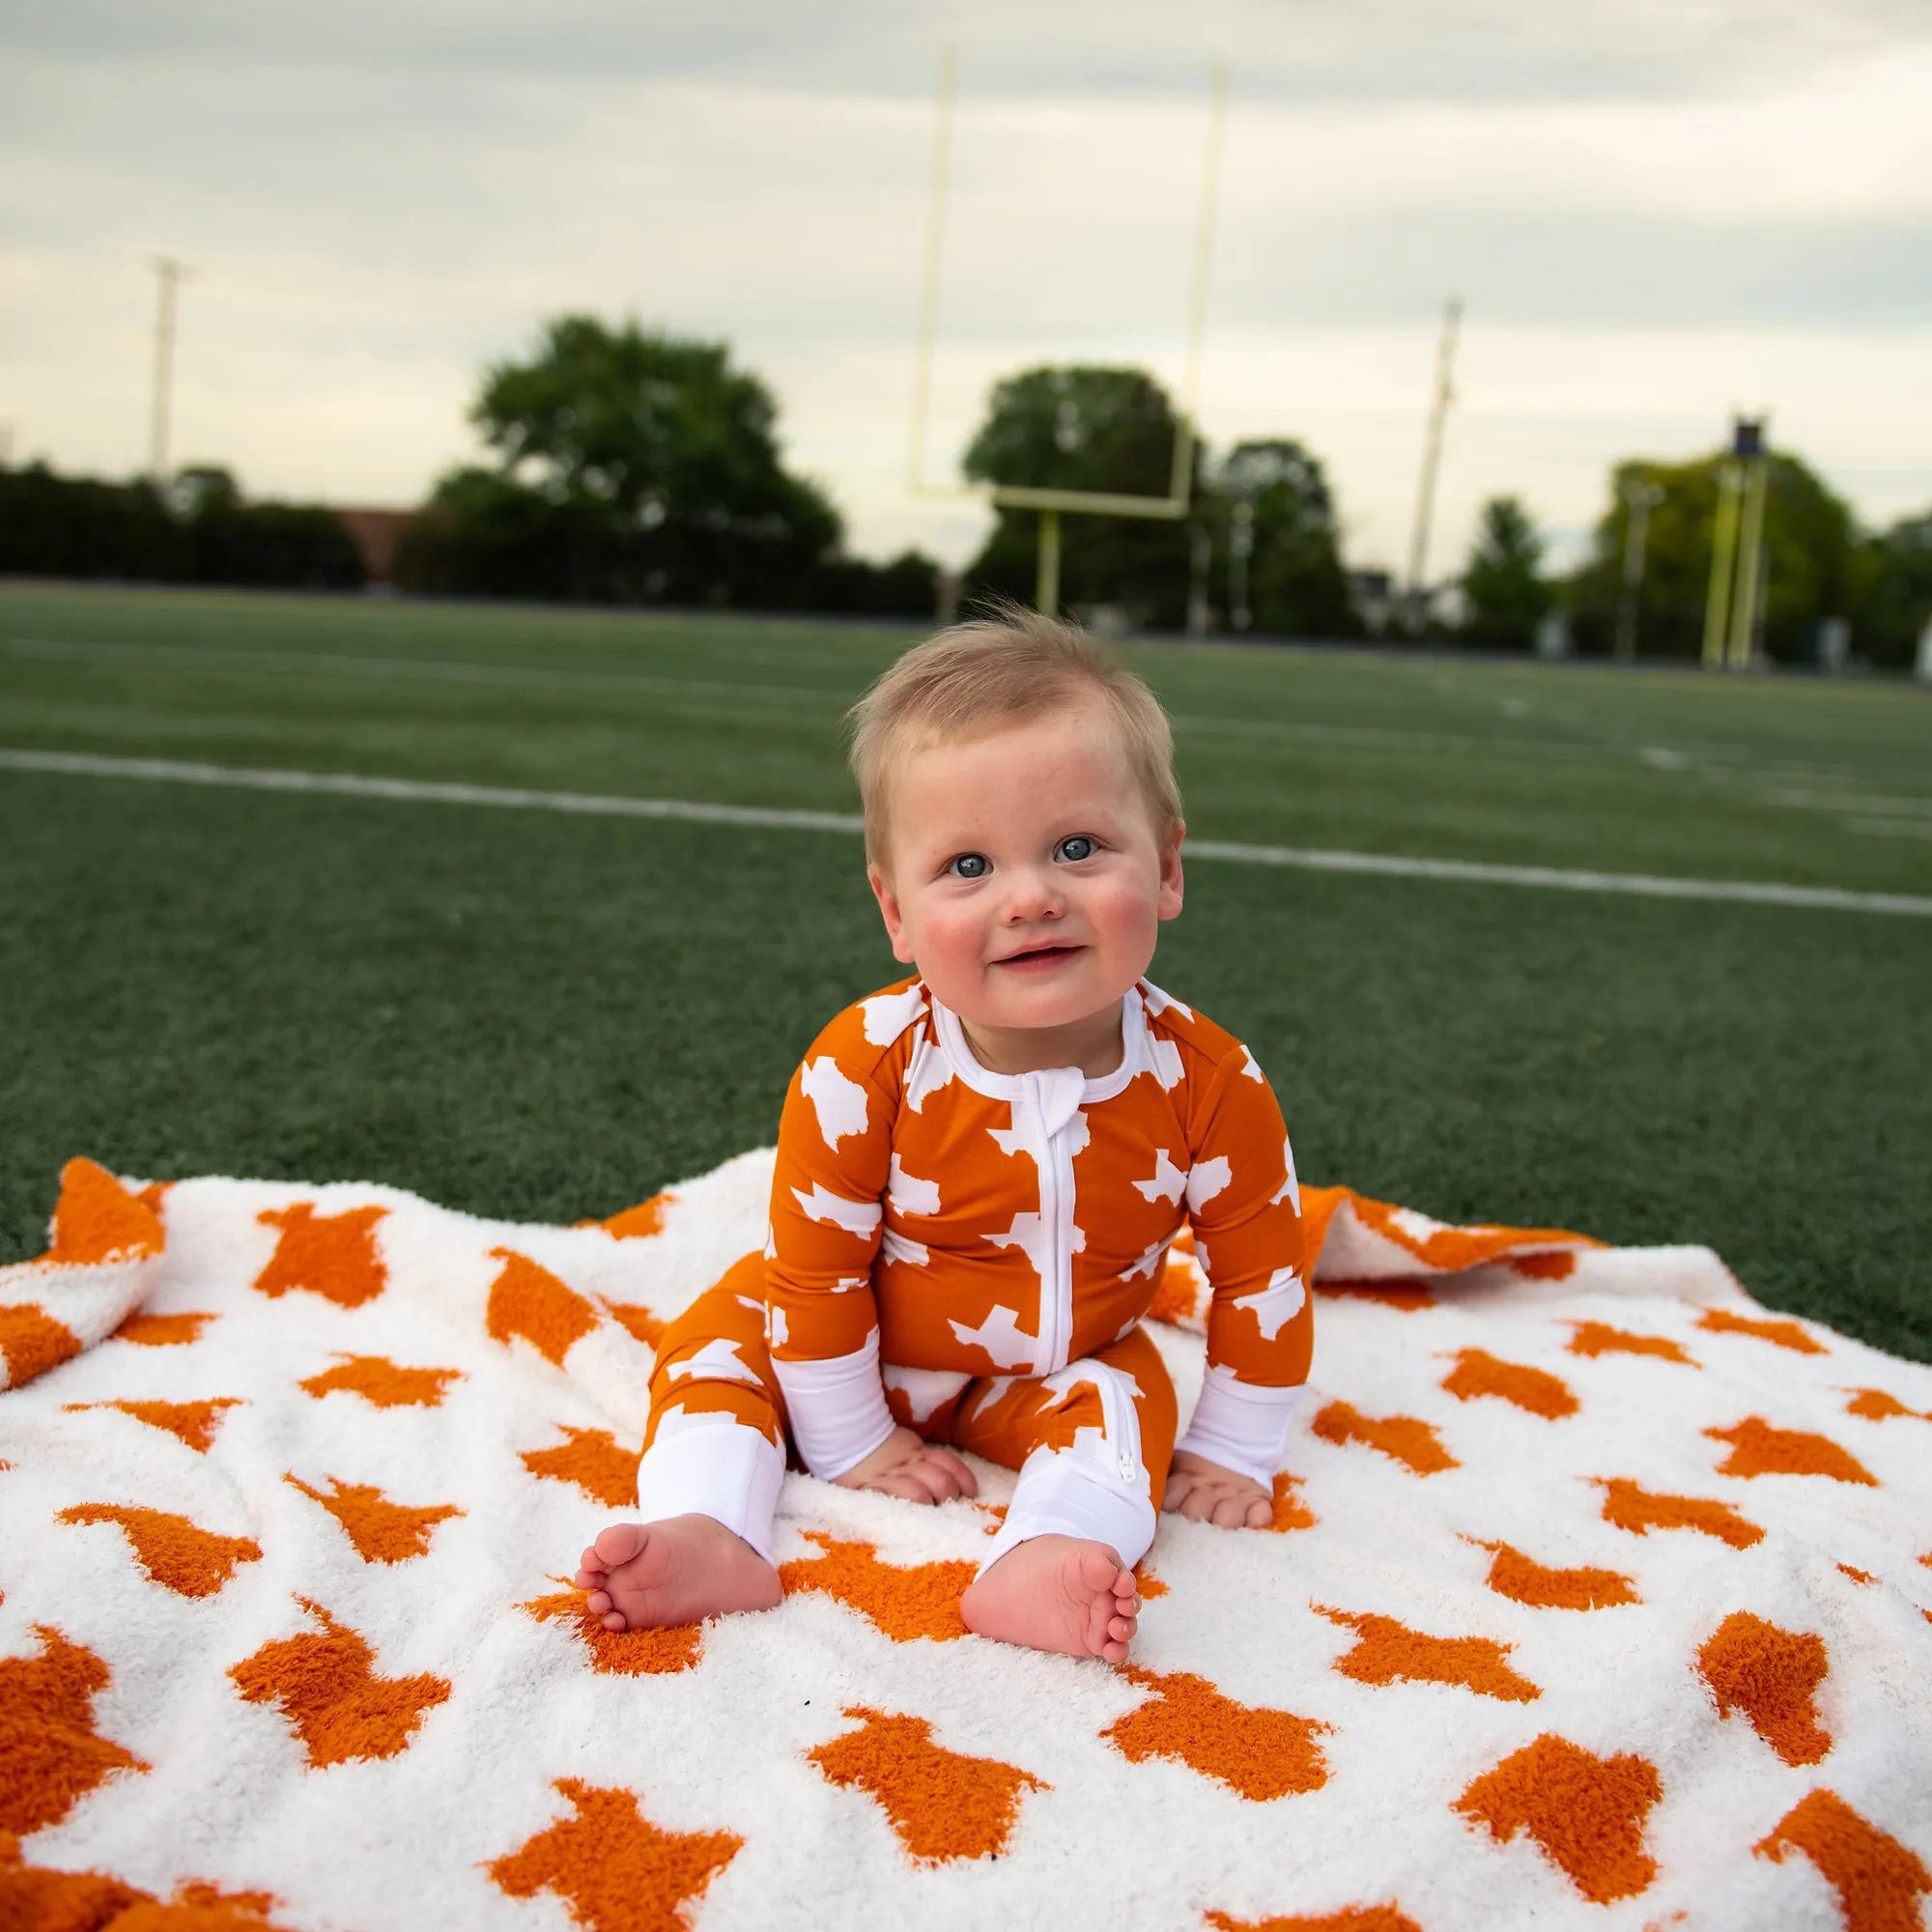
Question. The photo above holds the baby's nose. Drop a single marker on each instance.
(1032, 894)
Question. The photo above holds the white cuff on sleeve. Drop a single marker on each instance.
(836, 1408)
(1239, 1426)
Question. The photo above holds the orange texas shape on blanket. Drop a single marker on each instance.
(1637, 1509)
(98, 1220)
(1781, 1334)
(1350, 1918)
(1478, 1372)
(32, 1342)
(593, 1461)
(1257, 1752)
(326, 1686)
(1880, 1405)
(162, 1331)
(611, 1867)
(1388, 1652)
(905, 1601)
(49, 1899)
(529, 1301)
(330, 1254)
(1585, 1812)
(192, 1423)
(1403, 1438)
(50, 1755)
(380, 1382)
(663, 1652)
(1599, 1338)
(942, 1805)
(96, 1224)
(1879, 1882)
(382, 1531)
(176, 1553)
(1757, 1449)
(1524, 1580)
(1771, 1675)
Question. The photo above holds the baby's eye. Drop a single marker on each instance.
(1073, 850)
(970, 866)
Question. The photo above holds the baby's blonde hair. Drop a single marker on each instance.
(1006, 668)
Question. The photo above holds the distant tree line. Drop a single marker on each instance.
(198, 531)
(635, 467)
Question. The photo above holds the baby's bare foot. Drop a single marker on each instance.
(1057, 1593)
(644, 1574)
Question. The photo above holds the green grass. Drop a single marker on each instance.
(549, 1017)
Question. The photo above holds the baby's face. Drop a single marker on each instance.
(1023, 876)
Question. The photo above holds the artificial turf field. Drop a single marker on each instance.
(549, 1017)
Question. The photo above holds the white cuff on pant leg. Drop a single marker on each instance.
(1241, 1427)
(1059, 1494)
(711, 1465)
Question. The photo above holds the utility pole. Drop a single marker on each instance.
(1640, 498)
(1432, 458)
(169, 275)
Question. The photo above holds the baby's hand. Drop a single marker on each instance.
(1206, 1493)
(907, 1465)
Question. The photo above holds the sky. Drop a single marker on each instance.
(1655, 214)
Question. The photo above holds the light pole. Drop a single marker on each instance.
(1640, 498)
(169, 275)
(1432, 458)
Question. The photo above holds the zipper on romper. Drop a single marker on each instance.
(1121, 1420)
(1056, 1218)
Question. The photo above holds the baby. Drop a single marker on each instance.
(980, 1172)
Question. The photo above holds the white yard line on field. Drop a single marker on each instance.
(562, 678)
(350, 784)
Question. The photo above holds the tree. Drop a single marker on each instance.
(1816, 567)
(632, 465)
(199, 529)
(1296, 587)
(1896, 604)
(1085, 428)
(1503, 588)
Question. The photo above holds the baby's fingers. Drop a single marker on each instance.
(962, 1479)
(902, 1482)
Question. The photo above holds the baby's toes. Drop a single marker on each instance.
(616, 1545)
(614, 1622)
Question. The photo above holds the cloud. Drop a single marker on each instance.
(1652, 212)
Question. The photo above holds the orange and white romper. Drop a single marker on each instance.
(972, 1255)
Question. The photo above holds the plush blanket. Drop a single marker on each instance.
(1595, 1597)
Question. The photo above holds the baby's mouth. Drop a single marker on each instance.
(1037, 956)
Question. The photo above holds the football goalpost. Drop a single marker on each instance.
(1053, 505)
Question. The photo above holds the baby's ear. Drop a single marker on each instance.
(1173, 885)
(889, 911)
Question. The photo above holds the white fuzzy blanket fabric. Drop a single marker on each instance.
(1596, 1597)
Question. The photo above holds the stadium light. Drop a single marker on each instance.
(1739, 560)
(169, 275)
(1052, 503)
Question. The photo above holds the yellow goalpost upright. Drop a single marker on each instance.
(1051, 504)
